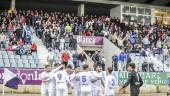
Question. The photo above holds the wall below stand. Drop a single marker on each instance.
(36, 89)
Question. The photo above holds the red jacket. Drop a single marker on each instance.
(65, 57)
(34, 47)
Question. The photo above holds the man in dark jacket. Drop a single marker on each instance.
(134, 80)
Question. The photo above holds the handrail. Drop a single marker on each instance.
(89, 61)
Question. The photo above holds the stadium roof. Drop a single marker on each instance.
(156, 3)
(153, 2)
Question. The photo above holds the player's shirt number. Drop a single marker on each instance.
(59, 76)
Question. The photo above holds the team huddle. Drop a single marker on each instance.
(56, 82)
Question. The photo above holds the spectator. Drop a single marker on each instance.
(50, 57)
(73, 43)
(96, 57)
(67, 40)
(65, 57)
(146, 42)
(67, 28)
(62, 42)
(82, 59)
(75, 57)
(33, 47)
(9, 48)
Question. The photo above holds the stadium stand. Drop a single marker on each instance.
(56, 31)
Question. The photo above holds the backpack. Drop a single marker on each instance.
(138, 81)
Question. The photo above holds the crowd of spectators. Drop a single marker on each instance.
(15, 32)
(57, 31)
(147, 40)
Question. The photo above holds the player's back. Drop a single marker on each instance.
(61, 78)
(85, 83)
(45, 76)
(110, 82)
(85, 78)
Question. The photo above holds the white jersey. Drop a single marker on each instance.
(52, 82)
(75, 80)
(110, 82)
(75, 84)
(85, 83)
(95, 75)
(44, 85)
(61, 78)
(85, 78)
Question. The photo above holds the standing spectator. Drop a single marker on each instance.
(146, 42)
(65, 57)
(47, 39)
(122, 61)
(96, 57)
(133, 39)
(57, 42)
(75, 58)
(67, 40)
(82, 59)
(67, 28)
(62, 42)
(73, 43)
(165, 53)
(50, 57)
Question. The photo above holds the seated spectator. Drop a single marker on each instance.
(33, 47)
(20, 42)
(21, 50)
(9, 47)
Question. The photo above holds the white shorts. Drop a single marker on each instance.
(86, 90)
(52, 92)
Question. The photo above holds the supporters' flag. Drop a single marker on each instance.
(10, 79)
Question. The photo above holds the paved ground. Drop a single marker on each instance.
(151, 94)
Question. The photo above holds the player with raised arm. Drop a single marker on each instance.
(110, 82)
(45, 78)
(52, 82)
(62, 79)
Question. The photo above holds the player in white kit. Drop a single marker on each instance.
(85, 81)
(45, 77)
(52, 82)
(62, 79)
(75, 82)
(98, 81)
(110, 82)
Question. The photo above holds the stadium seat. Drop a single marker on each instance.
(40, 65)
(7, 63)
(11, 56)
(5, 55)
(17, 57)
(26, 64)
(20, 64)
(1, 62)
(33, 65)
(24, 57)
(9, 52)
(13, 63)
